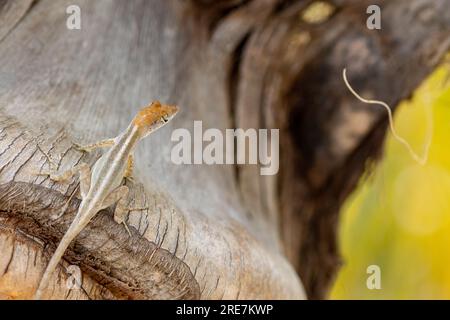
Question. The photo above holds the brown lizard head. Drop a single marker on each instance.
(153, 117)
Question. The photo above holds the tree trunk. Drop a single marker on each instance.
(210, 232)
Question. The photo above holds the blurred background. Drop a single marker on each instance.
(399, 216)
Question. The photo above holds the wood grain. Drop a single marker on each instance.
(85, 85)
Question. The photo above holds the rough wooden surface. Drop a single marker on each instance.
(210, 231)
(86, 85)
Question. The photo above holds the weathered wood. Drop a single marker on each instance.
(85, 85)
(216, 231)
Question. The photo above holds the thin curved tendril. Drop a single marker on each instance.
(422, 160)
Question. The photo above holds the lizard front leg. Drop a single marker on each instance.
(120, 197)
(100, 144)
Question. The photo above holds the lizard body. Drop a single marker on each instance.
(102, 188)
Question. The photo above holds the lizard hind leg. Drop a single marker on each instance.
(119, 196)
(85, 176)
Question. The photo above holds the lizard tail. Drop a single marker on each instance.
(51, 267)
(56, 258)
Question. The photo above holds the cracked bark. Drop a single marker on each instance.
(210, 231)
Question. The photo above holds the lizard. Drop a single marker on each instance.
(102, 186)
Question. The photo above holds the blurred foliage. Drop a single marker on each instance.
(399, 216)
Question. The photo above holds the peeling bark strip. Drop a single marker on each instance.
(221, 232)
